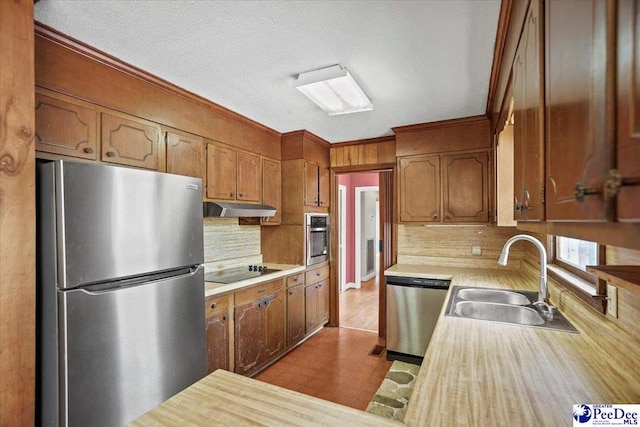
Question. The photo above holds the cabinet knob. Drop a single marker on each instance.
(111, 154)
(435, 216)
(88, 150)
(290, 293)
(317, 273)
(214, 305)
(580, 192)
(262, 290)
(615, 180)
(240, 194)
(230, 194)
(224, 317)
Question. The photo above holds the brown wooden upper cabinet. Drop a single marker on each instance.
(271, 189)
(233, 175)
(185, 154)
(66, 126)
(465, 187)
(420, 189)
(130, 141)
(528, 103)
(316, 185)
(579, 84)
(628, 137)
(445, 188)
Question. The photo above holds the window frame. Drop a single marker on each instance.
(583, 284)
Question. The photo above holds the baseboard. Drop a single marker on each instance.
(350, 285)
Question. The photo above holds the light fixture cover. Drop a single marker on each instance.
(334, 90)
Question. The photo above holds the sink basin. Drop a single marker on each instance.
(503, 305)
(499, 312)
(494, 295)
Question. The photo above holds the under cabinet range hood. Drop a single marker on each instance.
(237, 210)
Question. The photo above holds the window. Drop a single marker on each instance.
(569, 260)
(577, 253)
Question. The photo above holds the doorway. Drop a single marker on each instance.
(359, 218)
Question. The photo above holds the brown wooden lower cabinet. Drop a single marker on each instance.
(295, 314)
(259, 328)
(217, 331)
(317, 305)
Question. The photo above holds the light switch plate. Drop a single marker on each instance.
(476, 250)
(612, 300)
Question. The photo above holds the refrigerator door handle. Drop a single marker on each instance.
(105, 288)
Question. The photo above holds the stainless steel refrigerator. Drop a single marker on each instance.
(120, 300)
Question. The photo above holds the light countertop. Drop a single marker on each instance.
(213, 288)
(475, 373)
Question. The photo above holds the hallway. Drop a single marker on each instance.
(359, 307)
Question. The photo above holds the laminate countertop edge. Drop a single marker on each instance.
(213, 288)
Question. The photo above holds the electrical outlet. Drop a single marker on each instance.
(476, 250)
(612, 300)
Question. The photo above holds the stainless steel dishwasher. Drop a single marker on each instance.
(413, 307)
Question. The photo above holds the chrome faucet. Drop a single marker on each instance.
(542, 293)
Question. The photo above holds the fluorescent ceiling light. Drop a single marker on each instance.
(334, 90)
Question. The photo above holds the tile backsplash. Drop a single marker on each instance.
(228, 244)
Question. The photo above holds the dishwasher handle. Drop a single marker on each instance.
(418, 282)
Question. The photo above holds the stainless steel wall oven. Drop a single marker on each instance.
(317, 238)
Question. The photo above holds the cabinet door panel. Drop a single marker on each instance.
(420, 189)
(578, 81)
(323, 186)
(310, 184)
(221, 172)
(249, 177)
(271, 185)
(465, 187)
(311, 304)
(274, 329)
(130, 141)
(217, 331)
(295, 314)
(628, 205)
(185, 155)
(323, 302)
(248, 337)
(528, 112)
(66, 128)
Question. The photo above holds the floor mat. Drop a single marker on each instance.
(390, 401)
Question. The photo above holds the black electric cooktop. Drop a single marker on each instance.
(232, 275)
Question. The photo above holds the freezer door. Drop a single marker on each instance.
(115, 222)
(125, 350)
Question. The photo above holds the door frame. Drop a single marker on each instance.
(342, 238)
(388, 235)
(359, 191)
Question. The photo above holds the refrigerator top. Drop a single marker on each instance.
(114, 222)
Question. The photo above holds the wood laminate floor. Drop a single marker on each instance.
(359, 307)
(334, 365)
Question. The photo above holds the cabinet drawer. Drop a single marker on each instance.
(316, 275)
(296, 280)
(258, 291)
(215, 304)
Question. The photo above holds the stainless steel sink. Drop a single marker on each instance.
(494, 295)
(499, 312)
(501, 305)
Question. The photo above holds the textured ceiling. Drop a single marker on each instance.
(419, 61)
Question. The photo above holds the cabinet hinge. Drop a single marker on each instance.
(542, 195)
(233, 316)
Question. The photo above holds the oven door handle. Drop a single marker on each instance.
(318, 229)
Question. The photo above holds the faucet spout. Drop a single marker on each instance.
(502, 260)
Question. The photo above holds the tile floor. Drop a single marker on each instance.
(334, 365)
(359, 307)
